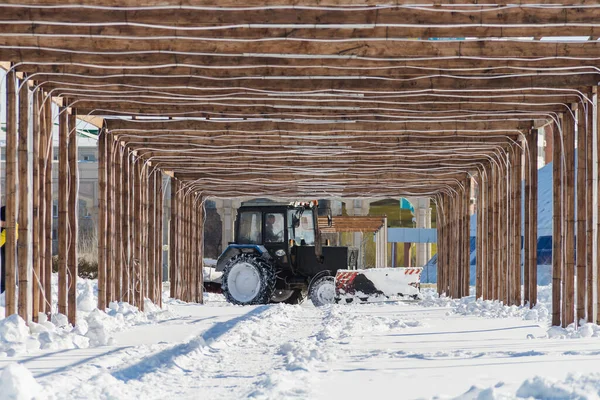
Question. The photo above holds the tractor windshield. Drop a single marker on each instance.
(306, 230)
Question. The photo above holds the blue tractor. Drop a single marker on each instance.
(278, 256)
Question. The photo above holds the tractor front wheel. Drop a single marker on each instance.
(248, 279)
(322, 291)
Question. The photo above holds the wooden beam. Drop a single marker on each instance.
(125, 225)
(110, 221)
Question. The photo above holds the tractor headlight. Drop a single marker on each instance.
(280, 253)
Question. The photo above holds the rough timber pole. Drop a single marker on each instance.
(102, 220)
(159, 235)
(201, 218)
(580, 238)
(589, 140)
(479, 244)
(518, 235)
(110, 221)
(24, 265)
(11, 193)
(489, 270)
(49, 156)
(138, 230)
(467, 233)
(41, 232)
(118, 193)
(73, 220)
(569, 281)
(557, 225)
(151, 237)
(63, 219)
(132, 196)
(173, 239)
(533, 223)
(125, 248)
(527, 223)
(37, 194)
(597, 132)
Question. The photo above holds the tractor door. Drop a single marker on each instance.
(275, 241)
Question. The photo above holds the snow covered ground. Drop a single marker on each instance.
(436, 348)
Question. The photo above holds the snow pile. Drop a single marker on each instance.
(13, 335)
(93, 328)
(17, 383)
(470, 306)
(584, 330)
(574, 386)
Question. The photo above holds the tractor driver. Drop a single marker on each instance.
(271, 236)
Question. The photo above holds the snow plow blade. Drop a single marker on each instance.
(377, 283)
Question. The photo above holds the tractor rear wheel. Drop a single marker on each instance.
(248, 279)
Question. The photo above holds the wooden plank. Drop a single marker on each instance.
(23, 255)
(102, 197)
(73, 218)
(63, 209)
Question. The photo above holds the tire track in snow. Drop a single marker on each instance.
(307, 358)
(223, 362)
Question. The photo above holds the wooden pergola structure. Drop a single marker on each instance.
(327, 98)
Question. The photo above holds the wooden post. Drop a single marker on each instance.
(201, 217)
(173, 239)
(133, 232)
(118, 193)
(137, 231)
(73, 216)
(24, 266)
(49, 157)
(151, 237)
(557, 226)
(580, 239)
(110, 220)
(569, 281)
(527, 223)
(126, 211)
(37, 195)
(489, 271)
(159, 235)
(479, 251)
(63, 218)
(11, 193)
(467, 233)
(102, 220)
(41, 230)
(589, 140)
(533, 222)
(519, 217)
